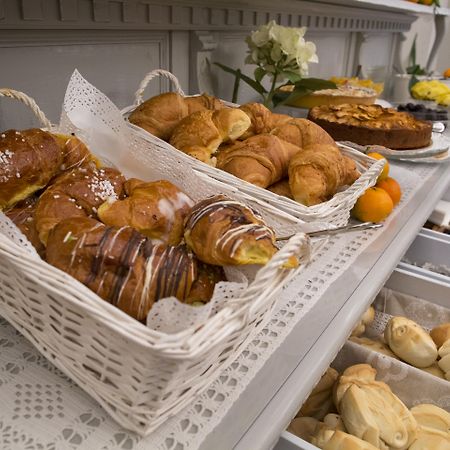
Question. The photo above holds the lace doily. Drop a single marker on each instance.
(42, 409)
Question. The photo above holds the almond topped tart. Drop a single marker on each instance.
(372, 124)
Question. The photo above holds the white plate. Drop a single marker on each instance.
(439, 144)
(440, 158)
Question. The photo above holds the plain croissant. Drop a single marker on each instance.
(318, 171)
(201, 133)
(160, 114)
(261, 160)
(262, 119)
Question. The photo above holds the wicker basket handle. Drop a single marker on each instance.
(28, 101)
(149, 77)
(268, 277)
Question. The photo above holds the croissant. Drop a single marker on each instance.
(75, 153)
(22, 214)
(223, 232)
(316, 173)
(201, 133)
(261, 160)
(281, 188)
(156, 209)
(77, 193)
(303, 133)
(159, 115)
(29, 159)
(262, 119)
(203, 287)
(121, 265)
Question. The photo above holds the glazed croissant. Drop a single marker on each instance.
(201, 133)
(22, 214)
(76, 193)
(156, 209)
(316, 173)
(261, 160)
(75, 153)
(29, 159)
(262, 119)
(159, 115)
(121, 265)
(223, 232)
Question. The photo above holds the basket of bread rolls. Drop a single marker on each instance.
(290, 163)
(140, 282)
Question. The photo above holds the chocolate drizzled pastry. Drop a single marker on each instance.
(222, 232)
(121, 265)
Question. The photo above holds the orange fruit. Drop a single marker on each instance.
(385, 172)
(373, 206)
(392, 188)
(447, 73)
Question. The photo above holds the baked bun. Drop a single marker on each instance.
(410, 342)
(200, 134)
(320, 401)
(440, 334)
(121, 265)
(160, 114)
(370, 410)
(431, 416)
(224, 232)
(156, 209)
(366, 319)
(374, 345)
(435, 370)
(29, 159)
(76, 193)
(281, 188)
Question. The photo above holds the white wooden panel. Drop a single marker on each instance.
(44, 70)
(375, 56)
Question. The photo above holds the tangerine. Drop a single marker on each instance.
(385, 172)
(373, 206)
(392, 188)
(447, 73)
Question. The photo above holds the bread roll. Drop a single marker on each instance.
(334, 421)
(371, 411)
(374, 345)
(431, 416)
(320, 401)
(435, 370)
(430, 439)
(344, 441)
(410, 342)
(281, 188)
(366, 319)
(440, 334)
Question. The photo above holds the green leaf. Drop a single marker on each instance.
(293, 77)
(258, 87)
(259, 74)
(282, 97)
(315, 84)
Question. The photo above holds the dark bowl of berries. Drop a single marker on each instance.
(422, 112)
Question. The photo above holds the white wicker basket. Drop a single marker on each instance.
(335, 210)
(139, 375)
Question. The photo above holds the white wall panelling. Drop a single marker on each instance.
(115, 42)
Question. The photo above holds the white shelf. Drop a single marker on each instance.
(390, 5)
(272, 398)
